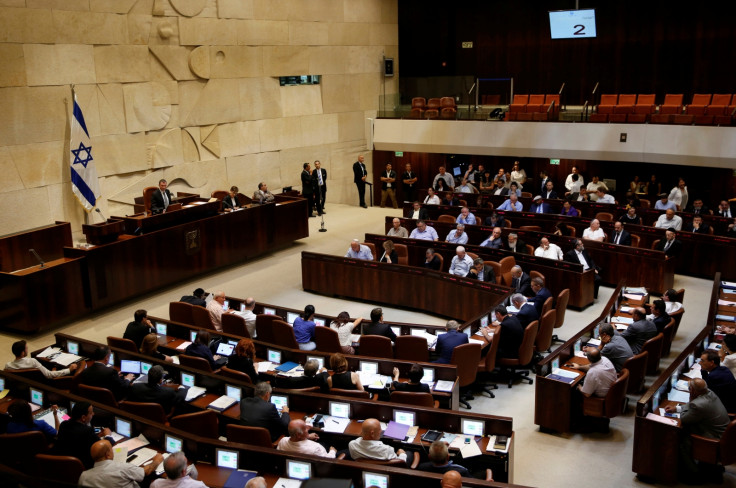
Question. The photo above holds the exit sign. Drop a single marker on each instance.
(555, 162)
(399, 154)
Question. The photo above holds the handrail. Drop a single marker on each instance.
(584, 113)
(551, 105)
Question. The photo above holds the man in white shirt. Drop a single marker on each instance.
(568, 180)
(424, 232)
(594, 232)
(593, 188)
(181, 476)
(461, 262)
(457, 236)
(249, 316)
(449, 180)
(301, 441)
(22, 361)
(679, 195)
(600, 376)
(465, 187)
(359, 251)
(431, 198)
(548, 250)
(601, 195)
(512, 204)
(397, 230)
(216, 308)
(669, 220)
(368, 445)
(106, 473)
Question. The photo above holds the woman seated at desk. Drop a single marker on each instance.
(242, 359)
(200, 348)
(149, 347)
(344, 330)
(415, 385)
(389, 253)
(342, 378)
(21, 420)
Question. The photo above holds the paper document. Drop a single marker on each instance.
(287, 482)
(664, 420)
(443, 385)
(134, 443)
(632, 296)
(693, 374)
(470, 450)
(183, 345)
(116, 437)
(622, 320)
(411, 434)
(335, 424)
(478, 341)
(726, 303)
(626, 309)
(48, 352)
(65, 359)
(160, 467)
(458, 442)
(512, 309)
(448, 438)
(727, 318)
(492, 441)
(264, 366)
(119, 454)
(728, 284)
(565, 373)
(175, 359)
(195, 392)
(636, 290)
(222, 403)
(678, 396)
(594, 342)
(683, 385)
(143, 456)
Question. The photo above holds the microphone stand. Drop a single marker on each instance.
(33, 251)
(322, 227)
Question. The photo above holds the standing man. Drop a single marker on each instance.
(388, 185)
(579, 255)
(359, 175)
(161, 199)
(409, 179)
(320, 182)
(308, 190)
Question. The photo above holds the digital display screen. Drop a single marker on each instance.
(571, 24)
(72, 347)
(111, 361)
(297, 470)
(417, 332)
(396, 329)
(291, 317)
(369, 367)
(269, 311)
(123, 427)
(375, 479)
(274, 356)
(226, 304)
(404, 418)
(280, 401)
(428, 375)
(233, 392)
(320, 322)
(145, 367)
(471, 427)
(319, 359)
(187, 379)
(37, 397)
(227, 459)
(468, 331)
(127, 366)
(173, 444)
(340, 410)
(193, 335)
(161, 328)
(484, 321)
(225, 349)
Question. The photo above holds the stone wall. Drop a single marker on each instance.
(185, 90)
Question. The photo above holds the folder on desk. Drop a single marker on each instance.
(727, 318)
(239, 478)
(222, 403)
(563, 375)
(287, 366)
(678, 396)
(443, 385)
(395, 430)
(195, 392)
(730, 285)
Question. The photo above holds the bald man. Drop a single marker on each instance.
(179, 475)
(368, 445)
(257, 482)
(451, 479)
(300, 440)
(107, 473)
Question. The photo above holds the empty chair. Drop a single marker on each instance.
(607, 103)
(414, 398)
(519, 104)
(442, 260)
(120, 343)
(496, 269)
(283, 334)
(472, 255)
(552, 113)
(416, 113)
(487, 364)
(448, 113)
(147, 195)
(252, 436)
(202, 319)
(613, 404)
(543, 342)
(203, 423)
(33, 374)
(563, 298)
(699, 104)
(264, 327)
(403, 253)
(671, 106)
(97, 394)
(375, 346)
(181, 312)
(547, 306)
(635, 240)
(604, 216)
(434, 104)
(507, 263)
(234, 324)
(449, 219)
(535, 103)
(235, 374)
(526, 194)
(447, 102)
(372, 247)
(431, 113)
(18, 449)
(327, 340)
(526, 353)
(466, 357)
(350, 393)
(419, 103)
(219, 194)
(715, 451)
(62, 469)
(643, 109)
(412, 348)
(534, 228)
(719, 105)
(637, 367)
(645, 203)
(654, 347)
(623, 108)
(669, 335)
(150, 411)
(195, 362)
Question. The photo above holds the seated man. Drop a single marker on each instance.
(593, 186)
(249, 316)
(107, 472)
(397, 230)
(432, 261)
(594, 232)
(216, 308)
(600, 377)
(465, 187)
(698, 226)
(719, 379)
(548, 250)
(450, 199)
(670, 245)
(495, 220)
(359, 251)
(230, 202)
(481, 272)
(448, 341)
(604, 196)
(640, 331)
(457, 236)
(512, 204)
(418, 212)
(258, 411)
(465, 217)
(449, 180)
(669, 220)
(615, 347)
(512, 334)
(424, 232)
(619, 235)
(76, 435)
(514, 244)
(461, 262)
(513, 188)
(22, 361)
(414, 385)
(369, 446)
(698, 208)
(664, 203)
(431, 198)
(542, 294)
(153, 391)
(539, 206)
(439, 461)
(139, 328)
(377, 327)
(196, 298)
(179, 475)
(527, 311)
(301, 441)
(262, 195)
(103, 376)
(500, 188)
(313, 376)
(726, 210)
(549, 192)
(578, 254)
(451, 479)
(630, 217)
(521, 282)
(495, 240)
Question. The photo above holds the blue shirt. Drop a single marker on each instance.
(429, 234)
(451, 237)
(507, 206)
(664, 206)
(304, 330)
(493, 245)
(39, 425)
(469, 221)
(363, 253)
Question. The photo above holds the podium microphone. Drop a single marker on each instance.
(33, 251)
(322, 227)
(100, 212)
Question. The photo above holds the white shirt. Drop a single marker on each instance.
(730, 363)
(678, 197)
(568, 181)
(250, 321)
(363, 449)
(304, 447)
(183, 482)
(663, 223)
(672, 307)
(583, 261)
(28, 363)
(434, 200)
(593, 187)
(552, 252)
(109, 474)
(461, 266)
(607, 198)
(597, 234)
(599, 378)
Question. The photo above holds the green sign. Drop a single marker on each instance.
(555, 162)
(399, 154)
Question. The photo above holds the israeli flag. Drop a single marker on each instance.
(85, 185)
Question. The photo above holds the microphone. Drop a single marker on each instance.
(100, 212)
(322, 228)
(33, 251)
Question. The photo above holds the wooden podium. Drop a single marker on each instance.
(104, 232)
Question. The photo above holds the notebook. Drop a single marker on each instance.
(395, 430)
(287, 366)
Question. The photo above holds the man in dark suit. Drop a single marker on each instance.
(153, 392)
(409, 180)
(719, 378)
(432, 261)
(77, 435)
(103, 376)
(640, 331)
(670, 245)
(512, 334)
(309, 191)
(549, 193)
(230, 202)
(542, 294)
(619, 235)
(139, 328)
(579, 255)
(417, 212)
(196, 298)
(161, 199)
(521, 282)
(527, 311)
(726, 209)
(479, 271)
(448, 341)
(544, 177)
(698, 226)
(258, 411)
(495, 220)
(377, 327)
(514, 244)
(698, 208)
(320, 182)
(360, 173)
(539, 206)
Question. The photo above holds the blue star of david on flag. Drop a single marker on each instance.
(78, 159)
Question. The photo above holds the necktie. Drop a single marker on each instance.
(667, 246)
(618, 236)
(539, 208)
(319, 176)
(166, 199)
